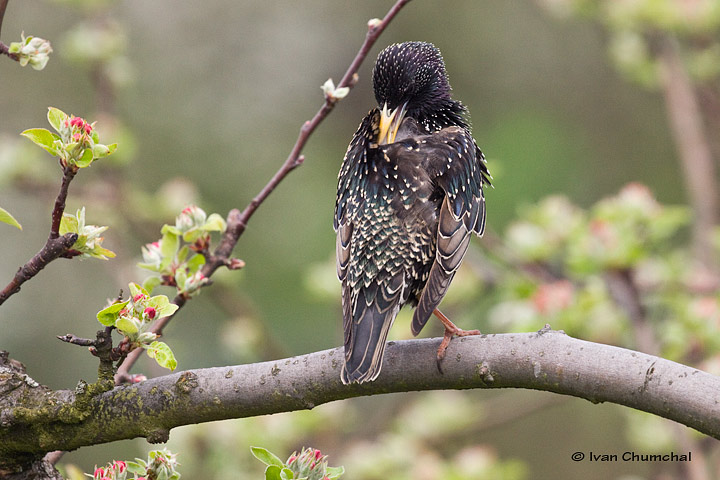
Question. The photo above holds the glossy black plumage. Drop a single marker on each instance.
(410, 194)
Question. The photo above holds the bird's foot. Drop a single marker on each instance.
(451, 330)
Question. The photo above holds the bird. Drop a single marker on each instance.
(409, 198)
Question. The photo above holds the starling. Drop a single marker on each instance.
(410, 194)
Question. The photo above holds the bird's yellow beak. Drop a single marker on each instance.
(390, 123)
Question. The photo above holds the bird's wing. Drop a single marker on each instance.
(454, 163)
(372, 285)
(367, 320)
(348, 199)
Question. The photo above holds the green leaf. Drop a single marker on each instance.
(162, 305)
(267, 457)
(170, 229)
(138, 468)
(107, 316)
(111, 148)
(183, 254)
(43, 138)
(5, 217)
(68, 224)
(195, 263)
(334, 472)
(272, 472)
(180, 278)
(151, 282)
(99, 150)
(56, 117)
(169, 245)
(192, 235)
(286, 474)
(126, 326)
(101, 253)
(86, 159)
(162, 354)
(135, 289)
(215, 223)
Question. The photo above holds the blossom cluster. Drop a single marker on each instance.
(161, 464)
(76, 143)
(134, 318)
(177, 258)
(33, 51)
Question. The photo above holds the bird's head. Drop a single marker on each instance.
(409, 79)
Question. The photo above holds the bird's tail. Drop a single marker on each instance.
(367, 324)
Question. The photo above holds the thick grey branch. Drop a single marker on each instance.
(547, 360)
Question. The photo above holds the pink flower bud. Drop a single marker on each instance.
(99, 472)
(120, 465)
(317, 454)
(150, 312)
(88, 128)
(138, 297)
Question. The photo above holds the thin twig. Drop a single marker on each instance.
(53, 248)
(3, 6)
(4, 49)
(57, 213)
(237, 221)
(686, 125)
(56, 246)
(625, 293)
(75, 340)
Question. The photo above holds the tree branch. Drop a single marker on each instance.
(55, 247)
(686, 125)
(4, 49)
(237, 221)
(52, 249)
(625, 293)
(547, 360)
(3, 6)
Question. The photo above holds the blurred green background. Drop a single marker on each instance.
(214, 92)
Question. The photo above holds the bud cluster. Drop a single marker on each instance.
(134, 318)
(117, 470)
(178, 256)
(76, 143)
(33, 51)
(160, 465)
(89, 241)
(309, 464)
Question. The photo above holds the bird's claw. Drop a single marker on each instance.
(450, 332)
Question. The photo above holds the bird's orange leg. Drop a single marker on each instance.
(450, 331)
